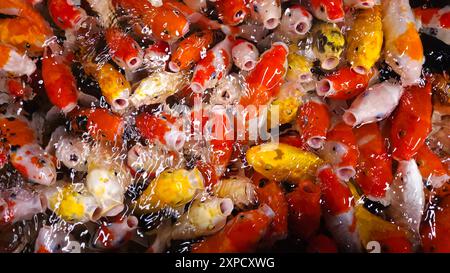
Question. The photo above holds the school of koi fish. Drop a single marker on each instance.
(134, 126)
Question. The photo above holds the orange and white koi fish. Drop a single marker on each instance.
(313, 121)
(59, 82)
(374, 169)
(411, 123)
(267, 12)
(245, 55)
(339, 210)
(343, 84)
(403, 47)
(232, 12)
(125, 51)
(241, 234)
(340, 151)
(66, 14)
(267, 76)
(374, 104)
(18, 204)
(12, 62)
(22, 34)
(115, 234)
(327, 10)
(163, 129)
(190, 50)
(431, 167)
(296, 21)
(26, 155)
(213, 67)
(435, 22)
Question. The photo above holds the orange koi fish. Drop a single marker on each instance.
(431, 167)
(341, 151)
(232, 12)
(162, 129)
(411, 124)
(313, 121)
(328, 10)
(434, 232)
(59, 82)
(16, 88)
(241, 234)
(125, 51)
(65, 14)
(23, 34)
(190, 49)
(374, 169)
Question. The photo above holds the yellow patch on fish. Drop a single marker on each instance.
(67, 205)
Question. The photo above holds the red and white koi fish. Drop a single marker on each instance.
(403, 47)
(241, 234)
(125, 51)
(407, 196)
(26, 155)
(313, 121)
(267, 12)
(245, 55)
(374, 169)
(339, 210)
(115, 234)
(66, 14)
(340, 151)
(59, 82)
(435, 22)
(343, 84)
(17, 204)
(232, 12)
(411, 123)
(213, 67)
(163, 129)
(431, 167)
(296, 21)
(14, 63)
(374, 104)
(327, 10)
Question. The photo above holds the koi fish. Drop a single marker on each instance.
(339, 210)
(239, 189)
(434, 232)
(267, 12)
(286, 104)
(113, 84)
(403, 47)
(125, 51)
(296, 21)
(232, 12)
(343, 84)
(18, 204)
(16, 89)
(115, 234)
(365, 40)
(313, 121)
(26, 155)
(66, 14)
(299, 67)
(407, 196)
(411, 124)
(163, 129)
(172, 188)
(190, 50)
(271, 194)
(327, 10)
(22, 34)
(304, 209)
(204, 217)
(266, 76)
(341, 151)
(151, 159)
(374, 104)
(435, 22)
(245, 55)
(431, 167)
(100, 123)
(73, 152)
(281, 162)
(213, 67)
(374, 169)
(241, 234)
(11, 61)
(52, 239)
(328, 44)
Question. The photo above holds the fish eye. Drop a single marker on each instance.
(238, 14)
(176, 12)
